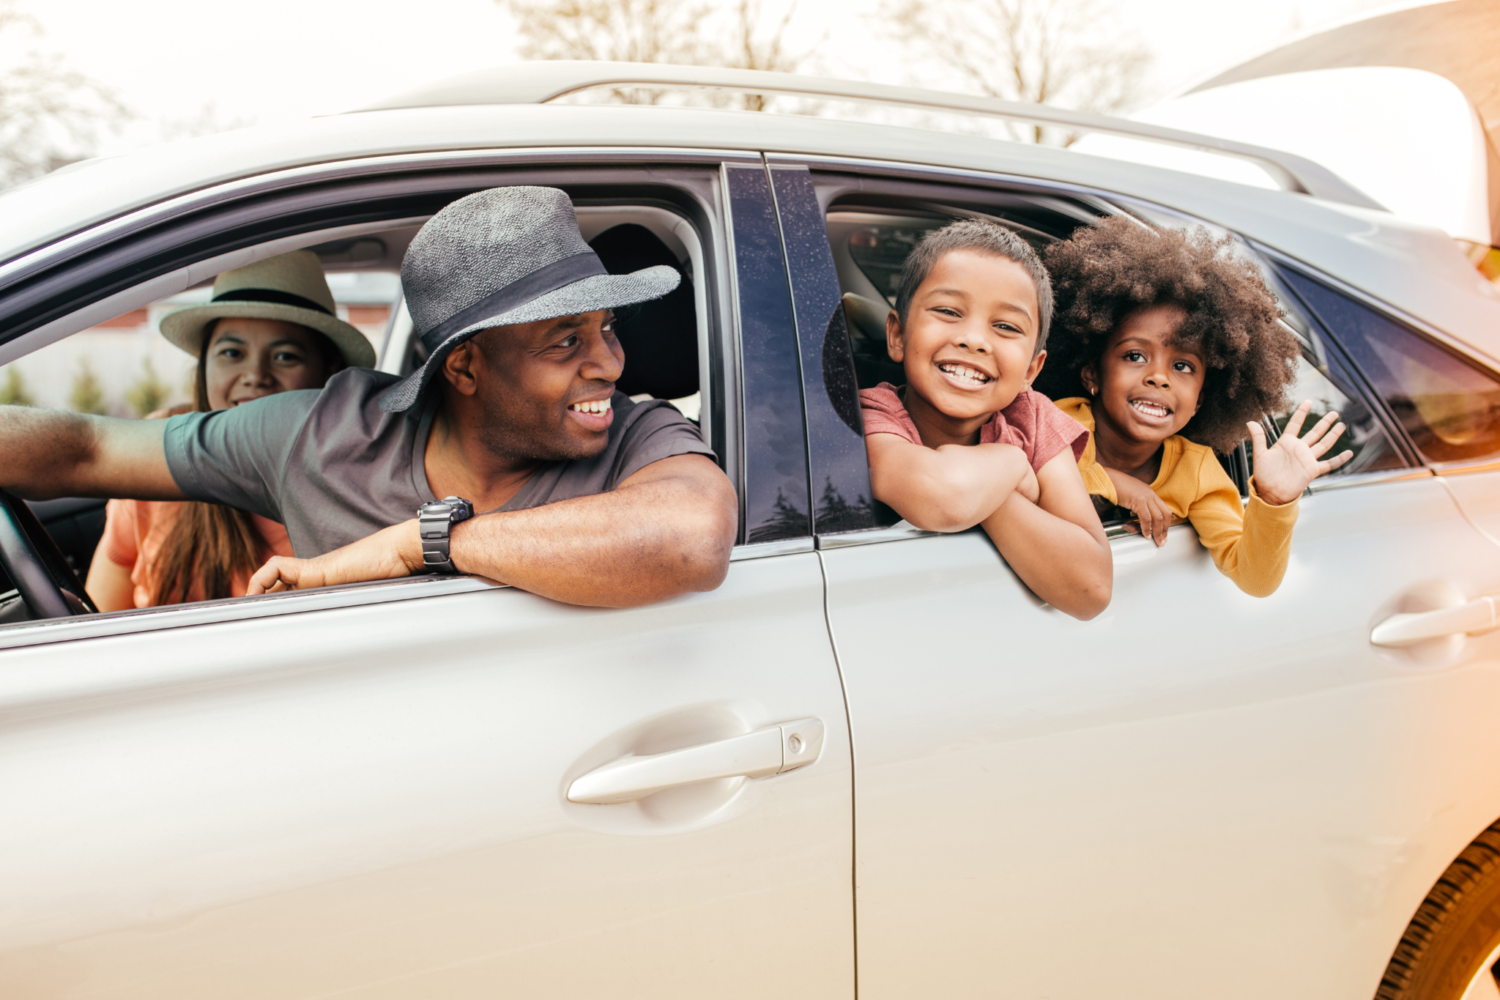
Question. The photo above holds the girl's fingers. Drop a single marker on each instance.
(1334, 462)
(1329, 440)
(1257, 439)
(1320, 427)
(1294, 425)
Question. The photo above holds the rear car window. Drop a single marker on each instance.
(1449, 407)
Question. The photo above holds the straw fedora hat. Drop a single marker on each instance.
(290, 288)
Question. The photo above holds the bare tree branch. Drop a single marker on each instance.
(657, 31)
(50, 115)
(1071, 53)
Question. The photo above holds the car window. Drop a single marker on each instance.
(1448, 407)
(1373, 450)
(124, 367)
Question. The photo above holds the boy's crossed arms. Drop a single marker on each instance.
(966, 442)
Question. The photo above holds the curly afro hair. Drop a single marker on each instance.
(1109, 270)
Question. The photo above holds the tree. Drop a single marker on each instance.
(50, 115)
(764, 53)
(657, 31)
(1070, 53)
(14, 391)
(87, 396)
(148, 393)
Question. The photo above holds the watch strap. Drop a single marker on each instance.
(435, 523)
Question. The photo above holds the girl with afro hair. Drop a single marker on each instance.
(1166, 346)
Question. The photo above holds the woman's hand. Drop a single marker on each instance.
(1283, 471)
(1151, 511)
(391, 552)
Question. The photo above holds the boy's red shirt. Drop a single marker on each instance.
(1032, 423)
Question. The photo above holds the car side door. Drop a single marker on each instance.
(1150, 803)
(441, 787)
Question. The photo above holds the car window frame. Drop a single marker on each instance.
(64, 287)
(1439, 339)
(947, 185)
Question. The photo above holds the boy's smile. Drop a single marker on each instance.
(1147, 388)
(967, 345)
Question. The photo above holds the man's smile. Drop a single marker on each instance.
(593, 414)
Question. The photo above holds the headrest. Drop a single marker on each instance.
(872, 362)
(660, 337)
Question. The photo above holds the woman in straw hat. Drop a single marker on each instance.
(269, 328)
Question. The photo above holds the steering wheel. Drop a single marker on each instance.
(36, 565)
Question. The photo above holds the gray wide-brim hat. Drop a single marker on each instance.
(500, 257)
(290, 288)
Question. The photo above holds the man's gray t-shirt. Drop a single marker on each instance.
(334, 468)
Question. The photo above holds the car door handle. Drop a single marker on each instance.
(767, 751)
(1479, 615)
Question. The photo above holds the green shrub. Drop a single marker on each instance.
(149, 393)
(87, 395)
(14, 391)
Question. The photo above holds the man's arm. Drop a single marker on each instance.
(950, 488)
(666, 530)
(1057, 546)
(48, 453)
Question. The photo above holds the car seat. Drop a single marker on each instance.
(660, 337)
(872, 363)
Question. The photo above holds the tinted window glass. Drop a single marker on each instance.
(836, 443)
(1450, 409)
(881, 250)
(776, 500)
(1365, 436)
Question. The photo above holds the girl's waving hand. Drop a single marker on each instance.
(1284, 470)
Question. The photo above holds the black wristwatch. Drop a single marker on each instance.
(434, 521)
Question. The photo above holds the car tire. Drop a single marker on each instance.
(1454, 940)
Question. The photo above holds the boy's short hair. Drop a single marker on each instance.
(986, 237)
(1108, 270)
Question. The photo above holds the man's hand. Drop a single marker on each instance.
(1151, 511)
(1284, 470)
(389, 553)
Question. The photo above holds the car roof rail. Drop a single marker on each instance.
(540, 82)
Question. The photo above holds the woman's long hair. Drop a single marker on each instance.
(210, 544)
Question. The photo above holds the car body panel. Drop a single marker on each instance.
(375, 797)
(1190, 783)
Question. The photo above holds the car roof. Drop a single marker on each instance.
(1418, 271)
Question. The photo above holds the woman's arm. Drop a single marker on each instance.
(1057, 545)
(109, 583)
(951, 488)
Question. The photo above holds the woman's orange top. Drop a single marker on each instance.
(134, 531)
(1250, 543)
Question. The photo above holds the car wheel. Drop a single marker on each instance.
(1452, 946)
(36, 566)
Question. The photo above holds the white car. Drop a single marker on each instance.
(871, 762)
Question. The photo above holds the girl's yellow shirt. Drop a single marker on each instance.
(1249, 543)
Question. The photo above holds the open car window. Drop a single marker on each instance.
(123, 366)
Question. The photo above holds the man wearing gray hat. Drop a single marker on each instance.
(553, 481)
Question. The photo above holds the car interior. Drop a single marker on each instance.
(665, 343)
(872, 237)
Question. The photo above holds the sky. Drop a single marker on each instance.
(177, 62)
